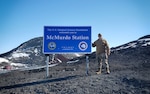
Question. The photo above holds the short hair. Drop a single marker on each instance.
(100, 35)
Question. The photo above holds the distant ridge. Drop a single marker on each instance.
(147, 36)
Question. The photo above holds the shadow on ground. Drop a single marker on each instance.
(38, 82)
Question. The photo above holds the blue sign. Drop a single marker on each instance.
(67, 39)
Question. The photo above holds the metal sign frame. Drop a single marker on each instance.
(66, 40)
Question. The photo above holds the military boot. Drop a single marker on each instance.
(108, 71)
(99, 72)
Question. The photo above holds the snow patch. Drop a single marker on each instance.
(146, 44)
(36, 51)
(73, 61)
(130, 45)
(146, 39)
(133, 45)
(59, 60)
(140, 42)
(18, 64)
(77, 55)
(3, 60)
(17, 55)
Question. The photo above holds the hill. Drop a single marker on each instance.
(30, 54)
(129, 66)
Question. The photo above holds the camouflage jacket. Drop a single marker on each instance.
(101, 46)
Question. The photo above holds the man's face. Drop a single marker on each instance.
(100, 37)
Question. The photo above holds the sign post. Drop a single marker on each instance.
(47, 63)
(67, 40)
(87, 65)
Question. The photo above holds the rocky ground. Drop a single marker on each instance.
(129, 75)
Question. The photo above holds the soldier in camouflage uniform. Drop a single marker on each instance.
(102, 53)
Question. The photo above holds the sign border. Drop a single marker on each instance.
(68, 52)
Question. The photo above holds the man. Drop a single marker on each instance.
(102, 53)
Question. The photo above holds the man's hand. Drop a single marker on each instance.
(93, 45)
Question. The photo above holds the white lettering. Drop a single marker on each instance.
(80, 37)
(67, 37)
(57, 37)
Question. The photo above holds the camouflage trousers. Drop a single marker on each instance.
(100, 59)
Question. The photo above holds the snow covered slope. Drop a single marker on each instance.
(143, 41)
(30, 53)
